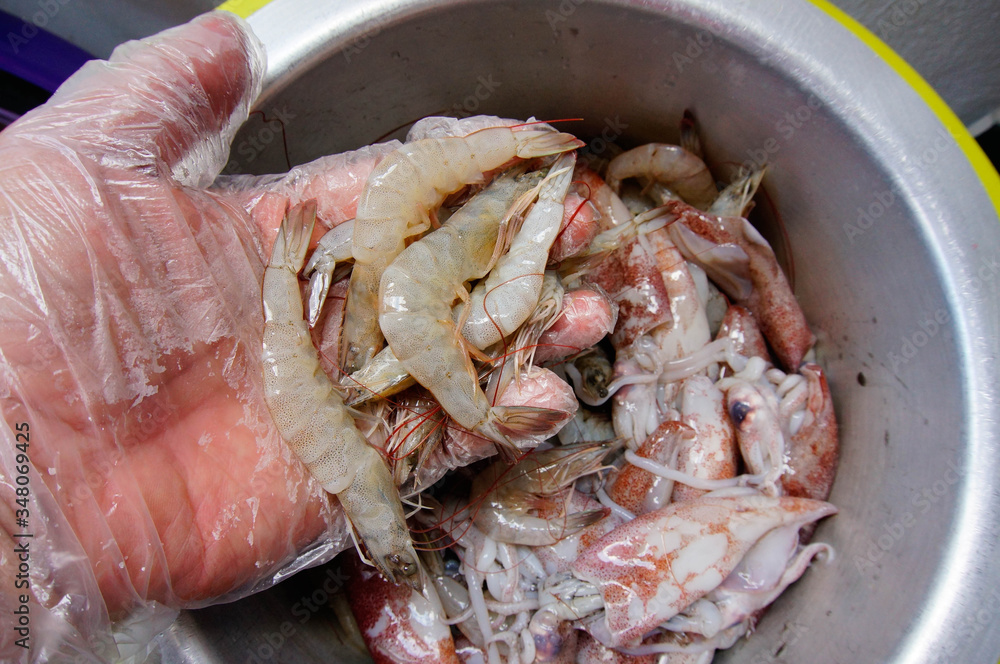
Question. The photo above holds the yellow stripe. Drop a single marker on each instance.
(242, 8)
(975, 155)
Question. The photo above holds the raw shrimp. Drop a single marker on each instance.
(736, 200)
(504, 300)
(672, 165)
(383, 376)
(311, 417)
(611, 209)
(417, 293)
(418, 427)
(398, 199)
(580, 224)
(462, 447)
(505, 495)
(587, 316)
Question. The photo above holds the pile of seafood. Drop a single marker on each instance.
(569, 408)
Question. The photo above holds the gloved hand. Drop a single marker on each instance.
(130, 341)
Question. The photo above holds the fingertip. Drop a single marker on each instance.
(175, 99)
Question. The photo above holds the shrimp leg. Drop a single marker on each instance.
(311, 417)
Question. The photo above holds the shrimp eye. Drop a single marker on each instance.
(739, 411)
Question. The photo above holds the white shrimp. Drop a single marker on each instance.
(417, 292)
(684, 173)
(311, 416)
(397, 202)
(504, 300)
(505, 495)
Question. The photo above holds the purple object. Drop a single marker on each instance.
(36, 55)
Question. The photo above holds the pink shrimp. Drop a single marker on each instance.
(525, 503)
(326, 333)
(586, 317)
(611, 209)
(580, 224)
(461, 447)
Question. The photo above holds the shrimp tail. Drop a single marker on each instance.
(293, 238)
(542, 142)
(577, 521)
(556, 184)
(520, 422)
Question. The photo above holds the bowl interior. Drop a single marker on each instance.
(843, 217)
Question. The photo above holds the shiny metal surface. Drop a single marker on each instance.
(894, 243)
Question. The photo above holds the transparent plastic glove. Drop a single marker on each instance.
(130, 335)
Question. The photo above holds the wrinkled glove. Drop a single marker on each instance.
(130, 341)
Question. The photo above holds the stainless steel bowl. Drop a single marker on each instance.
(894, 241)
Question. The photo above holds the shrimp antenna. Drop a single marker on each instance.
(537, 122)
(284, 139)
